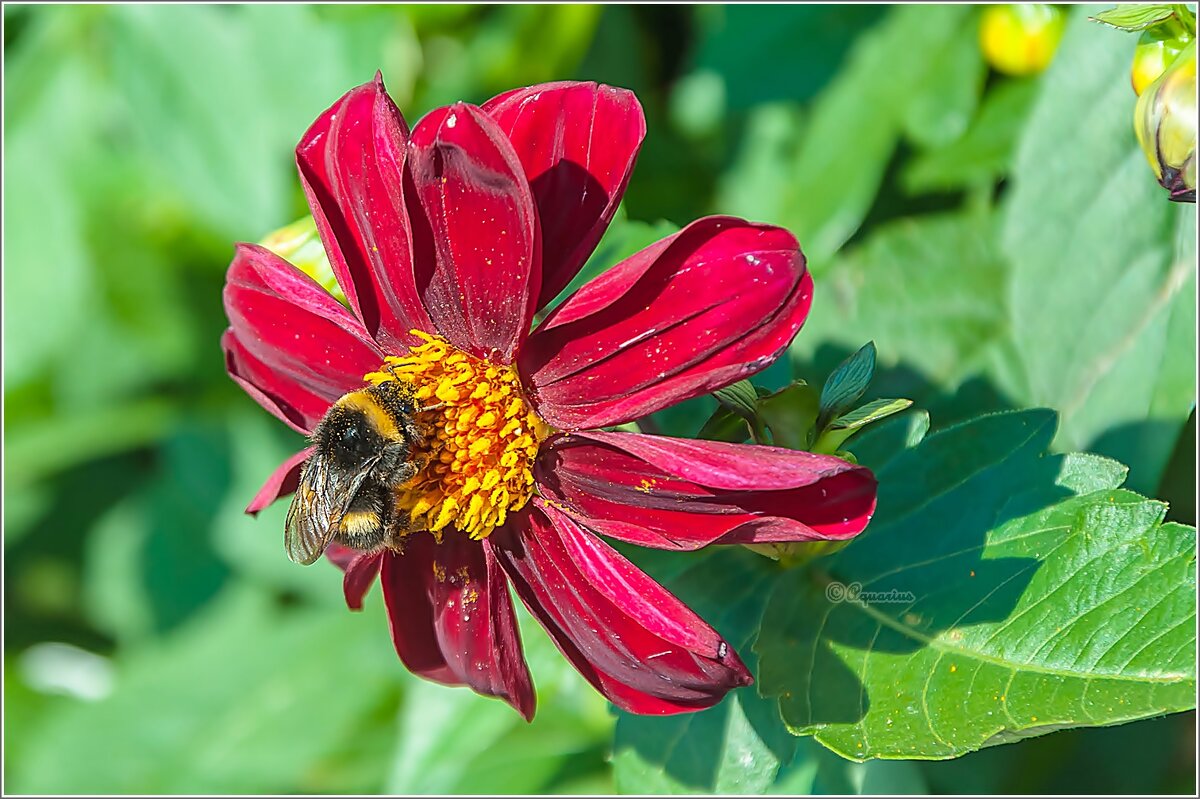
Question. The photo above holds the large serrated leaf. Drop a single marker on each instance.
(1002, 593)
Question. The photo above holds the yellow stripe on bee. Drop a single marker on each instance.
(360, 521)
(381, 421)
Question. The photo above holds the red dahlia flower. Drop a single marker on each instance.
(446, 241)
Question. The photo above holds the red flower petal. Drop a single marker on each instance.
(287, 401)
(716, 302)
(577, 143)
(292, 346)
(673, 493)
(351, 163)
(483, 269)
(360, 573)
(340, 555)
(283, 481)
(631, 638)
(452, 618)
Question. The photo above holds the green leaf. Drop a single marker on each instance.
(871, 412)
(229, 148)
(984, 153)
(931, 287)
(45, 313)
(245, 698)
(782, 70)
(1135, 16)
(847, 383)
(740, 398)
(833, 438)
(876, 446)
(834, 168)
(38, 450)
(453, 741)
(1002, 593)
(1102, 293)
(942, 107)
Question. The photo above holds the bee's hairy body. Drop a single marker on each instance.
(362, 453)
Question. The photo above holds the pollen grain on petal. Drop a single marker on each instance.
(481, 438)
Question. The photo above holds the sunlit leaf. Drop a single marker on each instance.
(944, 629)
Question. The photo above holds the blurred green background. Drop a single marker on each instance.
(1000, 238)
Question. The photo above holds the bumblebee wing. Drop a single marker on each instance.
(321, 500)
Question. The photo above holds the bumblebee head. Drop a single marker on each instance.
(348, 436)
(353, 440)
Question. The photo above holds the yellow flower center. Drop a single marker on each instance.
(480, 443)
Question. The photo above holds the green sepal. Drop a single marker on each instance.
(791, 414)
(846, 425)
(741, 399)
(796, 553)
(725, 425)
(846, 384)
(1136, 16)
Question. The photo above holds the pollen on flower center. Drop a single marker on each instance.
(480, 443)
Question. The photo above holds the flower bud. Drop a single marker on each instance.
(1020, 38)
(1156, 49)
(299, 244)
(1165, 123)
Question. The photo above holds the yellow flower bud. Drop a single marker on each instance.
(1165, 123)
(1156, 49)
(1020, 38)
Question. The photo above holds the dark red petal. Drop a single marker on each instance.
(351, 164)
(282, 397)
(283, 481)
(631, 638)
(481, 285)
(676, 493)
(410, 613)
(291, 345)
(716, 302)
(360, 573)
(360, 570)
(577, 143)
(452, 618)
(340, 555)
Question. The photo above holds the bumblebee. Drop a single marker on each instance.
(363, 452)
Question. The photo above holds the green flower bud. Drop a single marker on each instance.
(299, 244)
(1157, 49)
(1165, 123)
